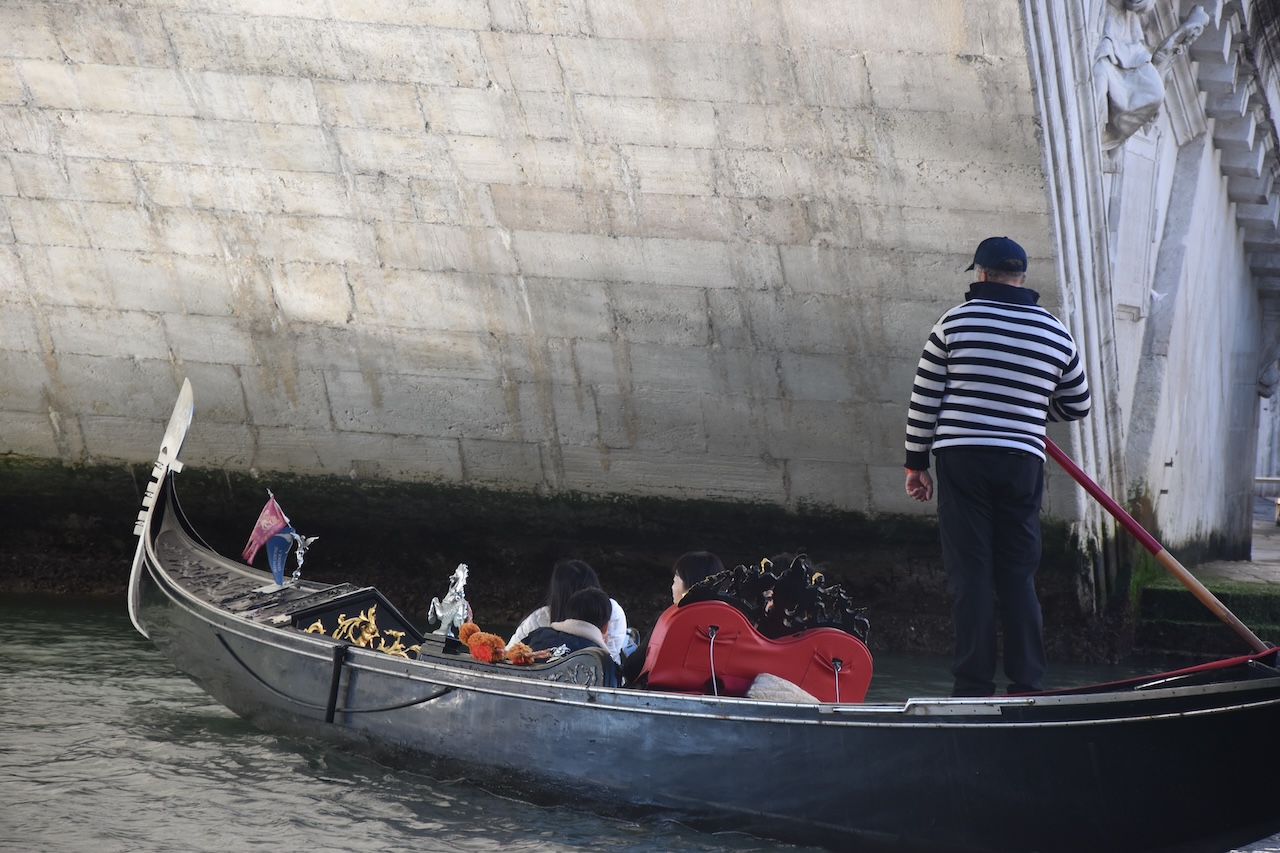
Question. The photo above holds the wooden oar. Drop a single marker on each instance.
(1208, 599)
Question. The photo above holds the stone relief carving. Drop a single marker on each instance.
(1129, 79)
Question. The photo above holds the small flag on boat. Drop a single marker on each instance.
(278, 548)
(270, 522)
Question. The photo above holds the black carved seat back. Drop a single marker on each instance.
(784, 600)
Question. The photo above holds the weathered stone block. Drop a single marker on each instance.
(442, 248)
(670, 170)
(279, 403)
(253, 97)
(128, 227)
(504, 464)
(793, 127)
(929, 230)
(553, 17)
(656, 368)
(830, 77)
(933, 29)
(37, 221)
(715, 22)
(30, 434)
(109, 35)
(116, 89)
(425, 55)
(79, 277)
(143, 388)
(195, 141)
(286, 47)
(8, 181)
(30, 31)
(771, 174)
(106, 333)
(676, 215)
(415, 457)
(600, 365)
(674, 316)
(837, 270)
(314, 293)
(148, 282)
(278, 448)
(51, 84)
(782, 322)
(568, 309)
(391, 107)
(961, 138)
(829, 484)
(743, 371)
(470, 112)
(23, 130)
(213, 339)
(967, 186)
(392, 196)
(666, 420)
(674, 262)
(811, 429)
(431, 156)
(457, 355)
(430, 406)
(523, 62)
(30, 396)
(675, 474)
(646, 122)
(13, 284)
(451, 14)
(322, 239)
(816, 376)
(948, 83)
(532, 208)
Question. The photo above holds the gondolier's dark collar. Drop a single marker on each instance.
(999, 292)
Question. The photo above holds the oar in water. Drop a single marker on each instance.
(1208, 599)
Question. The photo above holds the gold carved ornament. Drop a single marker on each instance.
(362, 630)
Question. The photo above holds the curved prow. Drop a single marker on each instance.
(166, 461)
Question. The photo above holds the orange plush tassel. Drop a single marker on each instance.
(489, 648)
(520, 654)
(466, 629)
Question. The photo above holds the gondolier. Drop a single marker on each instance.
(994, 369)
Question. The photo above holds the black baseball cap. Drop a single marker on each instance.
(999, 253)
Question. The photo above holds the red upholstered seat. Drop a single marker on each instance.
(682, 652)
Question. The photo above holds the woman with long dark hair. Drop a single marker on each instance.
(567, 577)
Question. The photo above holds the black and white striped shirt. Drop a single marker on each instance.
(993, 371)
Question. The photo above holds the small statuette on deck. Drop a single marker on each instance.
(454, 610)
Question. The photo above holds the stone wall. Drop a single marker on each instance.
(643, 248)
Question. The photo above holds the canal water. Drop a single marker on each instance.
(104, 748)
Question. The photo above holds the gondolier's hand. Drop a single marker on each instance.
(919, 485)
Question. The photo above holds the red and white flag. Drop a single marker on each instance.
(270, 522)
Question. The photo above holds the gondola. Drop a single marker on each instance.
(1174, 761)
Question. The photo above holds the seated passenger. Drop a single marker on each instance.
(568, 577)
(689, 569)
(584, 626)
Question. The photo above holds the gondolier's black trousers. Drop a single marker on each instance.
(989, 518)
